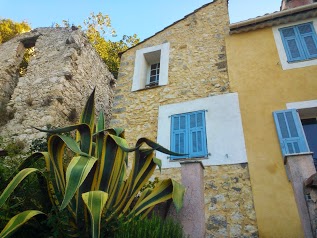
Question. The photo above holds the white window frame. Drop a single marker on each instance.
(143, 60)
(149, 74)
(224, 132)
(281, 50)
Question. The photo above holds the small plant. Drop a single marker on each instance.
(72, 116)
(39, 144)
(150, 184)
(47, 101)
(5, 114)
(15, 148)
(60, 99)
(154, 227)
(29, 101)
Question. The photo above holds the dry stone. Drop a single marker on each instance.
(60, 76)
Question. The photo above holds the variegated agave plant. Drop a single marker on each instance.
(95, 181)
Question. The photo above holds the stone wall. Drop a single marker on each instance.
(59, 78)
(197, 69)
(229, 208)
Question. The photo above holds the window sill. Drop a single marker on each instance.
(296, 154)
(298, 61)
(148, 87)
(189, 160)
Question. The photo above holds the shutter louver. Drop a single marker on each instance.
(188, 135)
(291, 44)
(290, 132)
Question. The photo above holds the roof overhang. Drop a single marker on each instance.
(276, 18)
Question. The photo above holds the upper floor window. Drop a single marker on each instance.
(188, 135)
(151, 67)
(300, 42)
(296, 44)
(153, 78)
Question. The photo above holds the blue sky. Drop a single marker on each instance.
(142, 17)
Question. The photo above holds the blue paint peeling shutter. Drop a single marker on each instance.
(292, 44)
(300, 42)
(290, 132)
(308, 39)
(197, 134)
(188, 135)
(179, 134)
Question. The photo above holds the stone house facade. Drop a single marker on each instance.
(177, 77)
(60, 76)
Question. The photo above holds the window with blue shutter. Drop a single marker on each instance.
(300, 42)
(290, 132)
(188, 135)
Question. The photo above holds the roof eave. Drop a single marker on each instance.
(276, 18)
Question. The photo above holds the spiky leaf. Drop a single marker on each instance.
(17, 221)
(76, 173)
(14, 183)
(95, 202)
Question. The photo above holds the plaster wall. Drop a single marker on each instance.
(256, 73)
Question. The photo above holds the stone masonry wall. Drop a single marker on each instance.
(229, 209)
(197, 69)
(59, 79)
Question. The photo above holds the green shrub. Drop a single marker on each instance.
(154, 227)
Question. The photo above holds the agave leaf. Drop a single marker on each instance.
(119, 132)
(76, 173)
(155, 146)
(88, 114)
(84, 137)
(143, 195)
(58, 130)
(27, 163)
(142, 169)
(178, 194)
(14, 183)
(17, 221)
(123, 143)
(72, 145)
(95, 202)
(161, 193)
(101, 122)
(56, 147)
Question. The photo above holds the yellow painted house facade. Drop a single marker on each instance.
(272, 65)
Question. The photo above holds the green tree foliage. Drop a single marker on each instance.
(109, 50)
(98, 28)
(10, 29)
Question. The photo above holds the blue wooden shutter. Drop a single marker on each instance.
(197, 134)
(308, 39)
(292, 44)
(188, 135)
(179, 135)
(290, 132)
